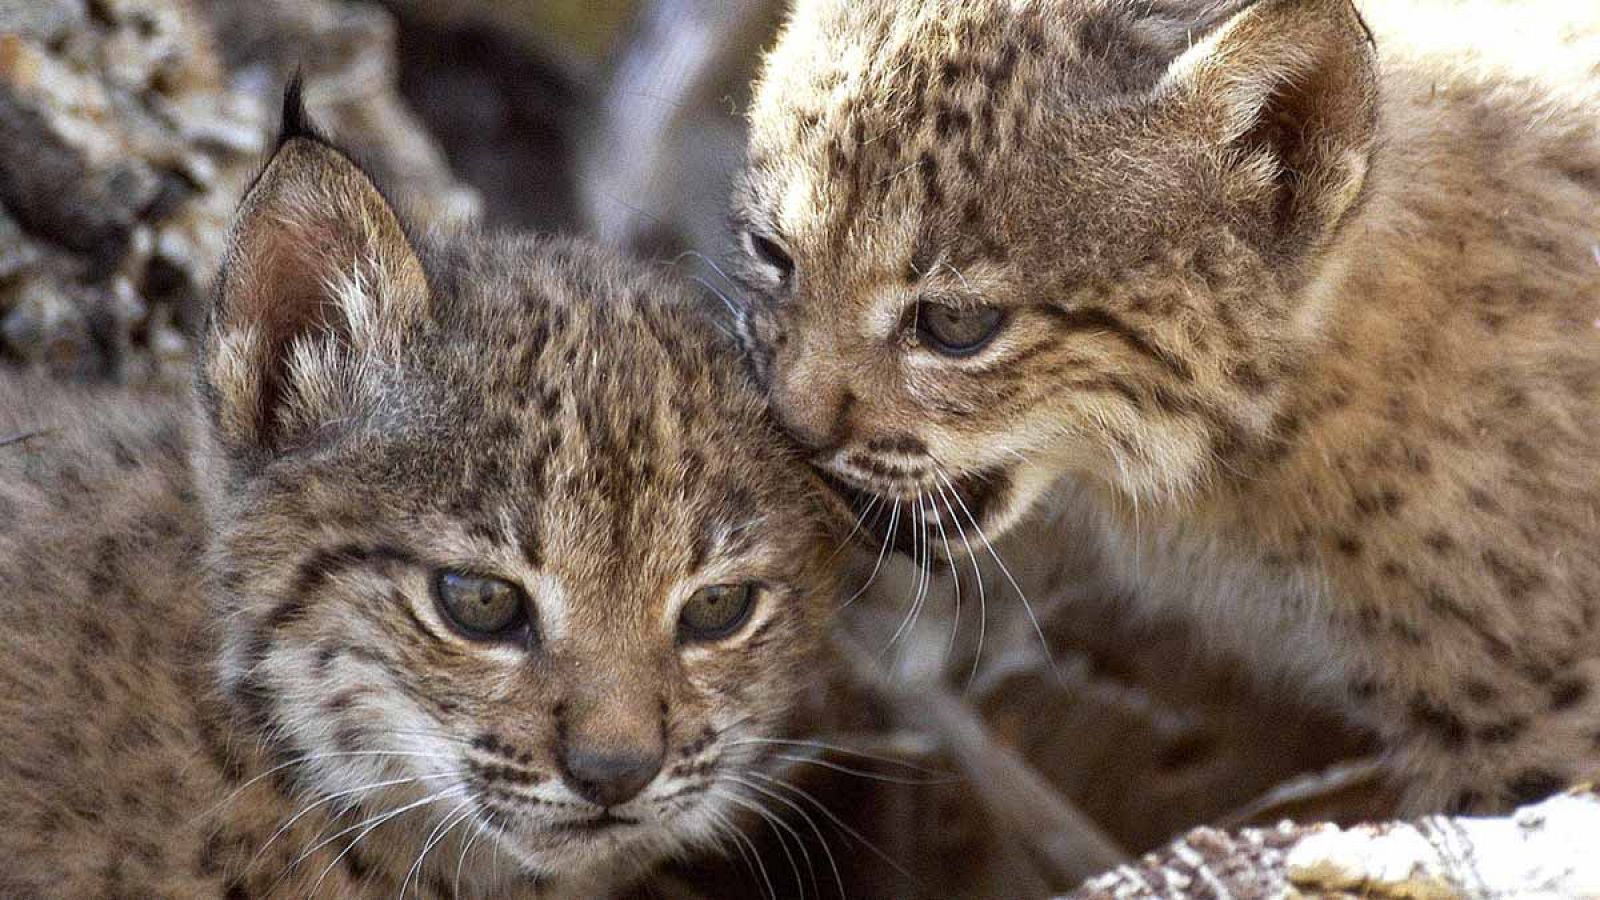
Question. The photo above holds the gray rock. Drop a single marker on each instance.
(16, 254)
(126, 139)
(46, 21)
(47, 328)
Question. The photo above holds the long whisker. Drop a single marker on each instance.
(894, 522)
(838, 822)
(333, 797)
(478, 831)
(727, 304)
(955, 577)
(446, 825)
(862, 773)
(710, 263)
(366, 827)
(782, 831)
(1027, 607)
(836, 748)
(821, 839)
(977, 577)
(917, 586)
(747, 850)
(304, 758)
(860, 521)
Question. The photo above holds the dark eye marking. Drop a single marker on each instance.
(1102, 320)
(325, 563)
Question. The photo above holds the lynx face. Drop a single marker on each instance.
(989, 244)
(505, 541)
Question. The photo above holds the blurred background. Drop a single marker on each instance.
(128, 129)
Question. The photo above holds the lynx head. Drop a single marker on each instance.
(501, 530)
(991, 243)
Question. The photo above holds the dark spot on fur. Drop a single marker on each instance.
(1439, 720)
(1466, 801)
(1533, 785)
(1440, 543)
(1187, 751)
(1516, 579)
(1567, 693)
(1503, 732)
(1480, 692)
(1407, 633)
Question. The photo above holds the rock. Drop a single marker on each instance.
(346, 54)
(1543, 850)
(16, 254)
(46, 21)
(128, 130)
(48, 328)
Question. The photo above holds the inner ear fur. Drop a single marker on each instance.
(1287, 92)
(318, 273)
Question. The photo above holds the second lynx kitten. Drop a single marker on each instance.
(1300, 331)
(478, 572)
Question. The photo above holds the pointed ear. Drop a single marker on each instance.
(318, 284)
(1287, 91)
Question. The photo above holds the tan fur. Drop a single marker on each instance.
(222, 655)
(1304, 335)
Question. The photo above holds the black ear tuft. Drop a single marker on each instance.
(295, 122)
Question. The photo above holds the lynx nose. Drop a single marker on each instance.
(609, 778)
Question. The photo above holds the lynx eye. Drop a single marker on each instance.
(957, 331)
(482, 608)
(769, 252)
(716, 612)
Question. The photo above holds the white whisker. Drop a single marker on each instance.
(838, 822)
(366, 827)
(335, 796)
(446, 825)
(894, 522)
(835, 748)
(862, 773)
(744, 843)
(977, 576)
(780, 829)
(1027, 607)
(821, 839)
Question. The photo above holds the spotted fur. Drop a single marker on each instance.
(1301, 332)
(221, 656)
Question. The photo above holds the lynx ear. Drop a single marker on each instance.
(318, 284)
(1287, 89)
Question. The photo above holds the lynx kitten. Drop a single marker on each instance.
(477, 572)
(1299, 329)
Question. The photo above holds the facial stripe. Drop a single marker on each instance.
(1104, 321)
(323, 564)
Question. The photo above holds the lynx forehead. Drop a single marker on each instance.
(507, 585)
(1298, 332)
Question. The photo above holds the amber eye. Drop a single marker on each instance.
(482, 608)
(957, 331)
(770, 253)
(716, 612)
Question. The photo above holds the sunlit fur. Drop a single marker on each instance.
(1302, 334)
(222, 656)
